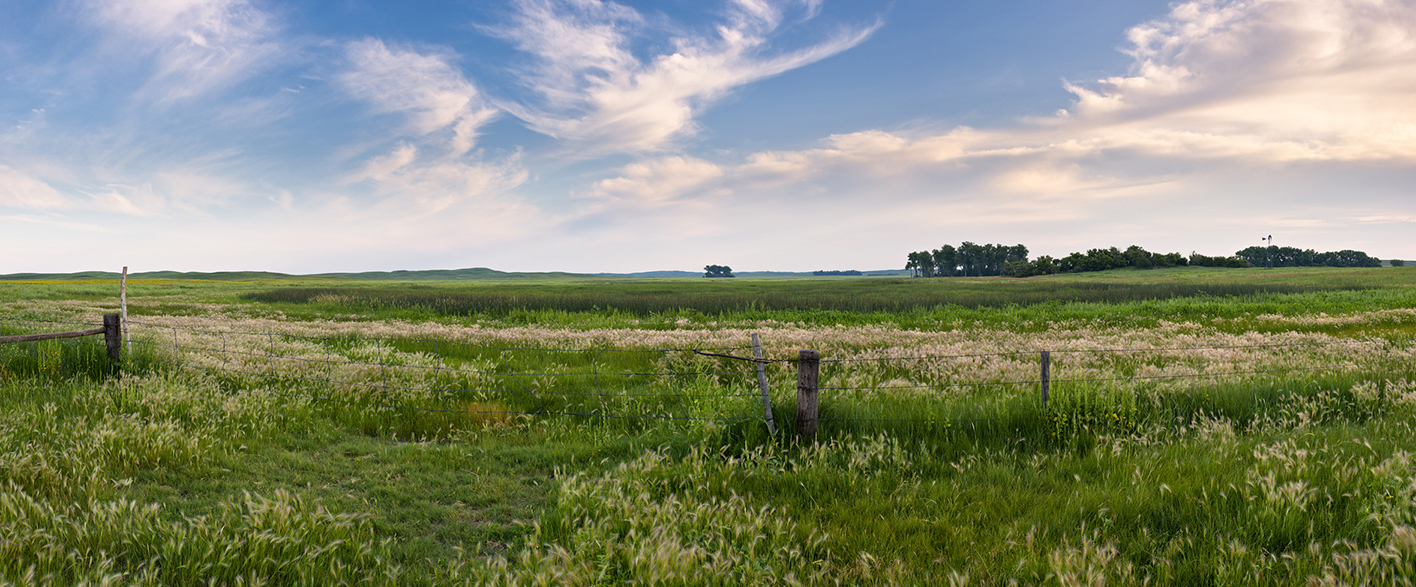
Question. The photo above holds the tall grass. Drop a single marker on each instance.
(274, 457)
(769, 297)
(60, 359)
(939, 304)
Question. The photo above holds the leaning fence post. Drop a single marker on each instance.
(123, 302)
(762, 382)
(808, 374)
(113, 334)
(1046, 378)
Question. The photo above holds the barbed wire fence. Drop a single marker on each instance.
(702, 384)
(1125, 370)
(434, 375)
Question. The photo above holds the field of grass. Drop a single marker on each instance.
(842, 295)
(262, 432)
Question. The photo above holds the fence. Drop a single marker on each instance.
(1129, 370)
(410, 374)
(112, 331)
(696, 384)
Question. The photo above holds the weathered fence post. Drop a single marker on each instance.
(762, 382)
(1046, 377)
(808, 374)
(123, 302)
(113, 335)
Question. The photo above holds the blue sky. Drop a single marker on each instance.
(579, 135)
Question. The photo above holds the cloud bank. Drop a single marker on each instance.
(1266, 82)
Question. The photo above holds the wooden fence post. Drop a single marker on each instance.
(1046, 377)
(762, 383)
(808, 374)
(113, 335)
(123, 303)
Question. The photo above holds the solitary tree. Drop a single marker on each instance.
(717, 271)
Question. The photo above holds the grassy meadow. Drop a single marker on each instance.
(1204, 427)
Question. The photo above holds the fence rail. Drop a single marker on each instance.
(112, 331)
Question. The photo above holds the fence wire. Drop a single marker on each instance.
(293, 364)
(390, 368)
(1351, 356)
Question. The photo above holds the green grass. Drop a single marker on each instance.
(1131, 298)
(1126, 298)
(146, 473)
(719, 297)
(65, 358)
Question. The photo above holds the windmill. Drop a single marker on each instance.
(1268, 255)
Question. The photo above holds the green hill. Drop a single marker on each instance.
(471, 274)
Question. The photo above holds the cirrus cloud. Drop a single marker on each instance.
(595, 92)
(433, 94)
(20, 190)
(432, 167)
(197, 45)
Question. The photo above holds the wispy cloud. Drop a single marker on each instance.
(403, 179)
(432, 166)
(20, 190)
(433, 94)
(199, 188)
(81, 226)
(654, 183)
(597, 94)
(198, 45)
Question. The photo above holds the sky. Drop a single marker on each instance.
(595, 136)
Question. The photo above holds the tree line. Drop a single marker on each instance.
(974, 260)
(968, 260)
(1293, 257)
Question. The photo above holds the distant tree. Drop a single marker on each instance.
(717, 271)
(1114, 258)
(970, 257)
(1138, 257)
(1272, 256)
(1017, 254)
(946, 261)
(992, 259)
(1102, 259)
(1293, 257)
(968, 260)
(1044, 265)
(1350, 258)
(1237, 262)
(1169, 260)
(1398, 263)
(922, 263)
